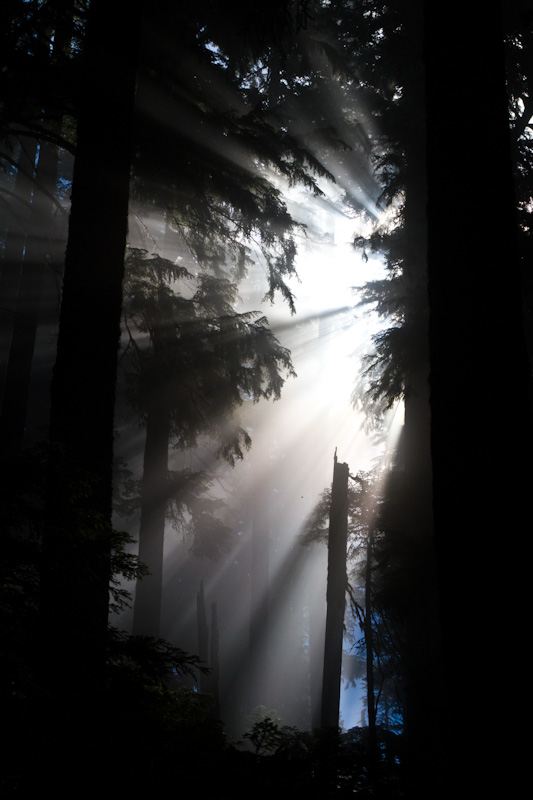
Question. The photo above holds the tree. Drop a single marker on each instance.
(203, 361)
(388, 49)
(83, 385)
(36, 161)
(217, 198)
(336, 596)
(519, 68)
(461, 347)
(375, 620)
(494, 447)
(226, 132)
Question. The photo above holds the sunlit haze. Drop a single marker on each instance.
(273, 490)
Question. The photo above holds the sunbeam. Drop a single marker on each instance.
(243, 371)
(271, 611)
(268, 588)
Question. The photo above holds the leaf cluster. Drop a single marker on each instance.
(154, 661)
(205, 358)
(519, 51)
(222, 158)
(265, 736)
(382, 44)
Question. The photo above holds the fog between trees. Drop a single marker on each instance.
(239, 244)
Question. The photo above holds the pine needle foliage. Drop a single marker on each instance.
(204, 355)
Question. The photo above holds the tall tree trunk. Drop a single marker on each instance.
(369, 647)
(13, 254)
(316, 605)
(10, 275)
(214, 662)
(77, 544)
(335, 596)
(481, 420)
(208, 651)
(154, 494)
(203, 633)
(37, 252)
(40, 248)
(260, 606)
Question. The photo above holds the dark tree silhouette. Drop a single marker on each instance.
(203, 361)
(481, 439)
(44, 230)
(83, 386)
(335, 596)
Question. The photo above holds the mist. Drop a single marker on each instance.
(270, 589)
(259, 270)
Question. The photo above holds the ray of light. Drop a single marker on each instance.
(294, 441)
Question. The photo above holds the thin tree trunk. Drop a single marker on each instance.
(13, 257)
(37, 252)
(369, 646)
(214, 659)
(40, 246)
(203, 633)
(149, 590)
(316, 604)
(260, 610)
(369, 637)
(13, 254)
(335, 596)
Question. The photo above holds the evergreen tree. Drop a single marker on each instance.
(203, 361)
(36, 129)
(375, 620)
